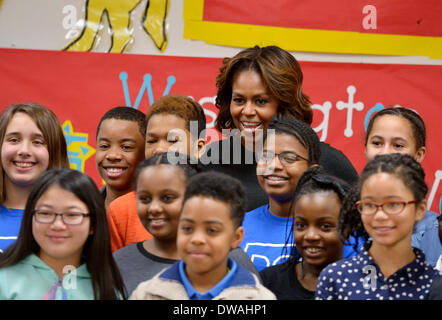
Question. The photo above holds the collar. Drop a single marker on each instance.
(418, 265)
(35, 261)
(213, 292)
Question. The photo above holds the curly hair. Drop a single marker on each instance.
(402, 166)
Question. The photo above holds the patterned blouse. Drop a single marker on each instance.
(359, 278)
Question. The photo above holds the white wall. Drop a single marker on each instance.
(38, 24)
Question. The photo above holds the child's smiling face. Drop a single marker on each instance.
(392, 134)
(206, 234)
(277, 179)
(160, 191)
(120, 148)
(24, 151)
(390, 229)
(315, 233)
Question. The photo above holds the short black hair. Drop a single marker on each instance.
(125, 113)
(189, 166)
(219, 186)
(302, 132)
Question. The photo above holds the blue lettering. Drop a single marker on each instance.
(146, 86)
(377, 107)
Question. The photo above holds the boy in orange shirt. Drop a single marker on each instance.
(120, 148)
(168, 129)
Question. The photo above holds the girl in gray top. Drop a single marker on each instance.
(160, 185)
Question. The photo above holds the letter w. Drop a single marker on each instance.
(147, 85)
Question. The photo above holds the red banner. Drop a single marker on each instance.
(81, 87)
(405, 17)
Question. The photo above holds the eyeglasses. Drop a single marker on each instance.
(287, 158)
(69, 218)
(390, 207)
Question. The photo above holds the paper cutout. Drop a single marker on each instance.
(118, 13)
(78, 149)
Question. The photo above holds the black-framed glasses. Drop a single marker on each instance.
(69, 218)
(389, 207)
(287, 158)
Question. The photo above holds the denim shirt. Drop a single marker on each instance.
(426, 237)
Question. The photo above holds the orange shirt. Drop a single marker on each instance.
(125, 226)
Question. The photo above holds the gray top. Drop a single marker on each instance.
(136, 264)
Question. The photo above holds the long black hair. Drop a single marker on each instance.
(106, 279)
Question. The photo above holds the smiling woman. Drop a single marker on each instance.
(253, 86)
(32, 141)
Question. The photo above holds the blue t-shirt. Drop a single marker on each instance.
(10, 223)
(265, 236)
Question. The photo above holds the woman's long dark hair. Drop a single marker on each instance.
(106, 279)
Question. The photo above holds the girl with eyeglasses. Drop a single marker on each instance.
(252, 87)
(290, 148)
(402, 130)
(384, 207)
(63, 248)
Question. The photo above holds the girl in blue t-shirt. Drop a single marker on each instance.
(316, 209)
(31, 141)
(63, 248)
(385, 205)
(290, 148)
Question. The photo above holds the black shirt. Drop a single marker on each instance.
(436, 289)
(282, 280)
(230, 157)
